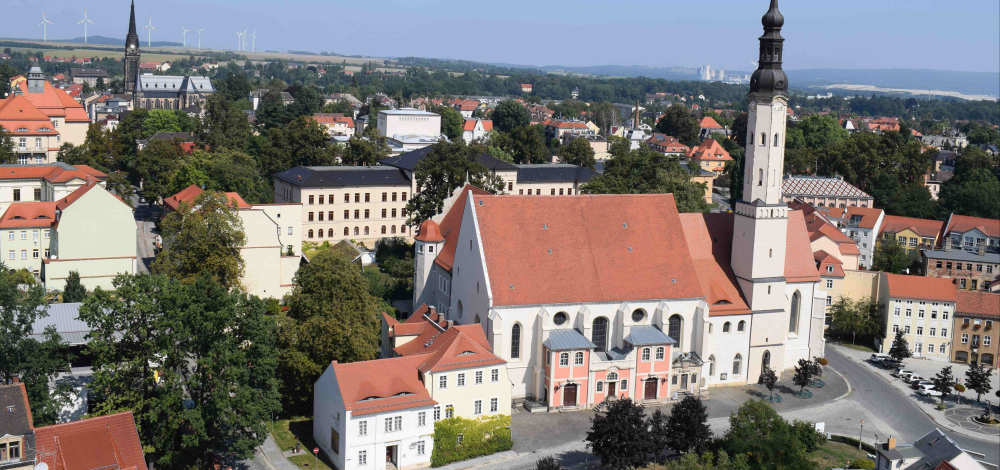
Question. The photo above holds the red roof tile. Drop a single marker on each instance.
(825, 260)
(868, 215)
(470, 124)
(710, 150)
(708, 122)
(429, 231)
(29, 214)
(964, 223)
(190, 193)
(451, 225)
(382, 385)
(921, 288)
(110, 442)
(923, 227)
(978, 303)
(710, 242)
(55, 102)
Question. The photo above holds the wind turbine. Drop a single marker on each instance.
(184, 36)
(239, 41)
(199, 36)
(84, 23)
(244, 40)
(149, 33)
(253, 43)
(45, 25)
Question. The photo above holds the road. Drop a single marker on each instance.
(145, 238)
(722, 201)
(898, 411)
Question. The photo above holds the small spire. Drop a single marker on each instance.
(773, 19)
(131, 21)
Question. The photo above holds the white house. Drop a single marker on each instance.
(408, 122)
(473, 129)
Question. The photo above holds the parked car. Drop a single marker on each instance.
(928, 391)
(903, 373)
(917, 385)
(878, 357)
(914, 378)
(891, 364)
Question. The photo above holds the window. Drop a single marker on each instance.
(346, 231)
(368, 197)
(385, 197)
(933, 331)
(725, 327)
(398, 421)
(10, 235)
(421, 448)
(394, 213)
(599, 333)
(763, 139)
(461, 379)
(965, 338)
(793, 316)
(38, 197)
(443, 382)
(11, 255)
(895, 328)
(941, 349)
(24, 234)
(362, 458)
(34, 253)
(477, 407)
(920, 314)
(347, 197)
(638, 315)
(829, 283)
(563, 359)
(388, 425)
(24, 254)
(367, 211)
(449, 411)
(962, 283)
(553, 191)
(909, 313)
(363, 428)
(578, 359)
(560, 318)
(494, 375)
(311, 200)
(930, 347)
(645, 354)
(829, 300)
(674, 327)
(987, 340)
(741, 326)
(600, 387)
(944, 332)
(494, 405)
(624, 384)
(737, 362)
(515, 342)
(320, 214)
(479, 377)
(660, 351)
(403, 196)
(437, 413)
(906, 330)
(775, 140)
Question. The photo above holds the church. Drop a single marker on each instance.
(594, 296)
(187, 93)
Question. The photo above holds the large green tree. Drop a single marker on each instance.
(509, 115)
(302, 142)
(153, 168)
(225, 125)
(977, 379)
(271, 112)
(74, 290)
(815, 132)
(447, 167)
(687, 426)
(619, 435)
(35, 362)
(7, 155)
(900, 348)
(203, 237)
(451, 121)
(765, 438)
(893, 257)
(308, 101)
(365, 150)
(577, 152)
(677, 121)
(196, 364)
(944, 382)
(855, 316)
(331, 317)
(644, 171)
(974, 190)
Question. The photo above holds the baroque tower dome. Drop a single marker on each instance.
(769, 80)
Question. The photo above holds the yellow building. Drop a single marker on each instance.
(710, 156)
(914, 234)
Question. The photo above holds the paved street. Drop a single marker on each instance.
(145, 237)
(722, 201)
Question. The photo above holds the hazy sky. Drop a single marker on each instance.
(959, 35)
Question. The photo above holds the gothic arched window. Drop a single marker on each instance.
(793, 313)
(599, 334)
(674, 329)
(765, 361)
(515, 341)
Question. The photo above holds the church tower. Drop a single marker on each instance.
(132, 57)
(760, 225)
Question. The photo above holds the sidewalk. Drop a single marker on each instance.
(956, 419)
(274, 457)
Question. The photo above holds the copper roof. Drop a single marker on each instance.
(429, 231)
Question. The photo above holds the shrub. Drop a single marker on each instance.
(547, 463)
(852, 442)
(806, 433)
(864, 464)
(458, 439)
(960, 388)
(822, 361)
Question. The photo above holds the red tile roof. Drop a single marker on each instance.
(964, 223)
(566, 124)
(190, 193)
(825, 260)
(708, 122)
(470, 124)
(921, 288)
(110, 442)
(429, 231)
(382, 385)
(868, 215)
(978, 303)
(598, 246)
(333, 118)
(29, 214)
(710, 243)
(923, 227)
(451, 225)
(710, 150)
(55, 103)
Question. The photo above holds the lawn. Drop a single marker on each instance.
(835, 455)
(859, 347)
(298, 430)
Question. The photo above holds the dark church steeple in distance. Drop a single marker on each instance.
(131, 55)
(769, 80)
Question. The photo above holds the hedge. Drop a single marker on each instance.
(853, 442)
(481, 436)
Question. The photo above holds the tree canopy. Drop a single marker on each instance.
(677, 121)
(447, 167)
(644, 171)
(508, 115)
(577, 152)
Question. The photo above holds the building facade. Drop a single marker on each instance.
(922, 308)
(408, 121)
(823, 192)
(911, 233)
(42, 183)
(970, 270)
(977, 316)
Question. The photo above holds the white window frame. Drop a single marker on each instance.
(477, 407)
(494, 375)
(422, 419)
(494, 404)
(479, 377)
(460, 381)
(363, 428)
(443, 382)
(660, 353)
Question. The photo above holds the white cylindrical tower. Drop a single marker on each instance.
(427, 245)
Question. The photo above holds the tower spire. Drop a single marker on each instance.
(131, 21)
(769, 80)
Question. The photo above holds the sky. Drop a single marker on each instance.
(958, 35)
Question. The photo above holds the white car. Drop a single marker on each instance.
(877, 358)
(928, 391)
(914, 378)
(903, 373)
(920, 384)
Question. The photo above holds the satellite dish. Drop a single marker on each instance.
(42, 466)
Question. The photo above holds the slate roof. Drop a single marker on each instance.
(566, 339)
(554, 172)
(647, 335)
(409, 160)
(338, 176)
(18, 422)
(958, 254)
(65, 319)
(820, 187)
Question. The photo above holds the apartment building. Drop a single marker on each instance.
(363, 204)
(862, 224)
(969, 233)
(68, 118)
(26, 235)
(336, 124)
(408, 121)
(47, 182)
(831, 273)
(912, 233)
(823, 192)
(34, 135)
(977, 316)
(972, 270)
(920, 307)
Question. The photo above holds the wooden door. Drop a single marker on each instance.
(611, 390)
(650, 389)
(684, 382)
(569, 395)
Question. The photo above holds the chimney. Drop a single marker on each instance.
(450, 324)
(432, 310)
(947, 244)
(15, 379)
(636, 114)
(982, 248)
(891, 444)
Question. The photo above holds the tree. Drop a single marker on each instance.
(803, 374)
(302, 142)
(160, 120)
(7, 155)
(365, 151)
(892, 257)
(659, 433)
(194, 363)
(35, 362)
(816, 132)
(271, 112)
(677, 121)
(527, 144)
(447, 167)
(977, 379)
(687, 428)
(976, 194)
(606, 115)
(203, 237)
(331, 316)
(765, 438)
(855, 316)
(769, 379)
(235, 86)
(619, 435)
(739, 129)
(452, 121)
(74, 290)
(944, 382)
(734, 173)
(864, 156)
(900, 348)
(508, 115)
(708, 461)
(154, 168)
(547, 463)
(117, 183)
(644, 171)
(577, 152)
(308, 101)
(224, 126)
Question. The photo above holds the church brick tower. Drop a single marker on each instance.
(132, 58)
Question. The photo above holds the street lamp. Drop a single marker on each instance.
(861, 433)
